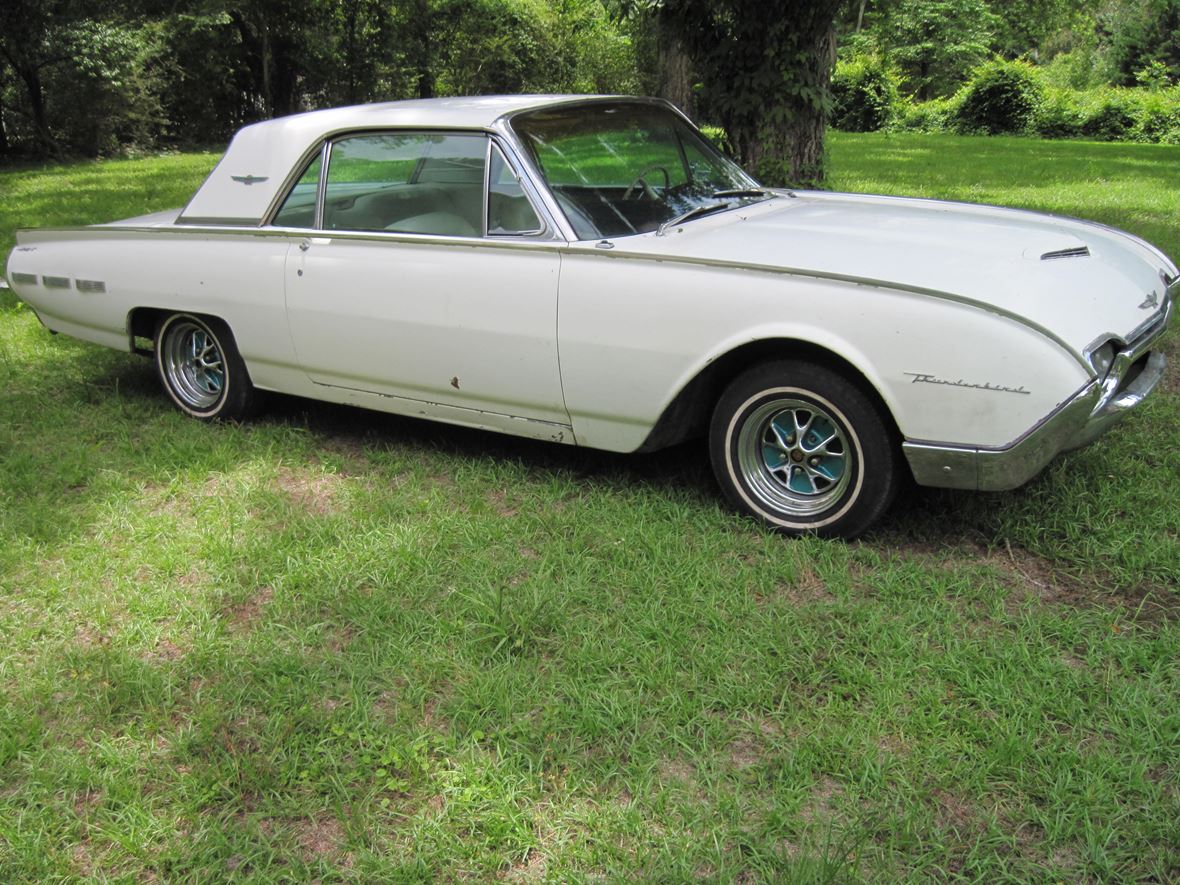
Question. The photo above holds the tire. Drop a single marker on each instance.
(804, 450)
(201, 369)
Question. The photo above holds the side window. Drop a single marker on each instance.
(407, 182)
(298, 210)
(509, 210)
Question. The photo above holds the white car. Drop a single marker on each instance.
(593, 272)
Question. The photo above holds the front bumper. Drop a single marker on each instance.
(1079, 421)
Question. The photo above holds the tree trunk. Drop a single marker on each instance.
(5, 147)
(789, 150)
(675, 71)
(267, 64)
(31, 76)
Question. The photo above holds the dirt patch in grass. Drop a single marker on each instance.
(531, 869)
(322, 838)
(163, 652)
(246, 614)
(498, 498)
(821, 804)
(310, 491)
(677, 771)
(1035, 580)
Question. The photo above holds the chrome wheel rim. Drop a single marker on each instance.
(794, 456)
(194, 365)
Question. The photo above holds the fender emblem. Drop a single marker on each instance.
(924, 378)
(248, 179)
(1152, 300)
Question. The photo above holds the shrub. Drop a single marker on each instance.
(864, 93)
(1001, 97)
(1059, 114)
(1109, 116)
(927, 116)
(1157, 114)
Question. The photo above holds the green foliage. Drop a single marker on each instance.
(1103, 114)
(109, 75)
(112, 77)
(936, 43)
(864, 94)
(1001, 97)
(1142, 35)
(936, 115)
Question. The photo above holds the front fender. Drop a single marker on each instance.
(634, 333)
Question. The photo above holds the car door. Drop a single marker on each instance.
(398, 289)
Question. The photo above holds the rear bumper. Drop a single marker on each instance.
(1083, 418)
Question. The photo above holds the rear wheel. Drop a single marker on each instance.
(804, 450)
(201, 369)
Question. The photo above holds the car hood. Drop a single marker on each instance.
(1078, 279)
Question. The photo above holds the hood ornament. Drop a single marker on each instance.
(1152, 300)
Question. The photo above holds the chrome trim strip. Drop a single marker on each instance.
(321, 188)
(533, 181)
(25, 279)
(844, 278)
(487, 184)
(548, 227)
(91, 286)
(294, 234)
(55, 282)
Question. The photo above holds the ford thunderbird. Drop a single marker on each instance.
(592, 271)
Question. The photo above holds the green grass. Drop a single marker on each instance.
(331, 644)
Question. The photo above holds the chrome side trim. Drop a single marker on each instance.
(848, 278)
(90, 286)
(25, 279)
(55, 282)
(534, 244)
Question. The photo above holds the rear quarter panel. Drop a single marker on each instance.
(238, 278)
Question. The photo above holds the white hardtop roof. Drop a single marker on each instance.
(261, 156)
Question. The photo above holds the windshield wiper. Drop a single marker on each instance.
(742, 192)
(710, 208)
(695, 212)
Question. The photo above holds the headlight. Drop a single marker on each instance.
(1101, 359)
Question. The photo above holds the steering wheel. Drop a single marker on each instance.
(640, 182)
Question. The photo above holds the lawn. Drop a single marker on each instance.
(345, 646)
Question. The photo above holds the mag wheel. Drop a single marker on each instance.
(201, 369)
(804, 450)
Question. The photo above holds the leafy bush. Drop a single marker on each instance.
(1001, 97)
(1059, 114)
(864, 94)
(927, 116)
(1157, 115)
(1109, 115)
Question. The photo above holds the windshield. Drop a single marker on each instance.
(627, 168)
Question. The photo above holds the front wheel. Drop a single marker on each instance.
(201, 369)
(804, 450)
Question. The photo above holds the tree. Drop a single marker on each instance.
(765, 67)
(1143, 32)
(936, 43)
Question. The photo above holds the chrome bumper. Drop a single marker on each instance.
(1079, 421)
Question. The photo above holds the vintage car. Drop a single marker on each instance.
(592, 271)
